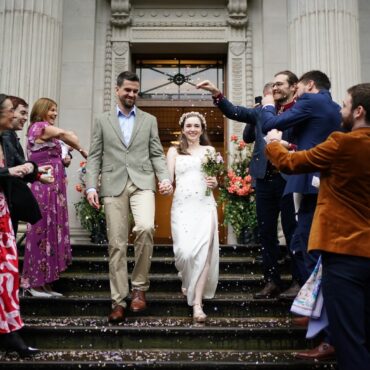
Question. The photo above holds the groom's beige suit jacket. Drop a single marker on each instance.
(141, 160)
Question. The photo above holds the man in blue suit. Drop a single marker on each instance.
(269, 184)
(313, 118)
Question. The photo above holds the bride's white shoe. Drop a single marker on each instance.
(38, 293)
(48, 290)
(198, 315)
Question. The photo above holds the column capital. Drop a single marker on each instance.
(237, 13)
(120, 13)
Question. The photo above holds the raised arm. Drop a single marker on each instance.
(70, 138)
(295, 116)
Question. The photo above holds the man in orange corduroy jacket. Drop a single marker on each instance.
(341, 225)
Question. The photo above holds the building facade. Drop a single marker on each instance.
(72, 51)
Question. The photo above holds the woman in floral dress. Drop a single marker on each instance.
(48, 249)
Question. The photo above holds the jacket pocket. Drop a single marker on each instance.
(147, 167)
(107, 168)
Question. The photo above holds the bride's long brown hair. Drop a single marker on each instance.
(183, 145)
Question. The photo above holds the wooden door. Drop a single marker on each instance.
(169, 131)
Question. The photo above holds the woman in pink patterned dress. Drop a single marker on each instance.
(48, 249)
(10, 319)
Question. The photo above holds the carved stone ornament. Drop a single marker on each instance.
(120, 13)
(120, 47)
(237, 13)
(237, 48)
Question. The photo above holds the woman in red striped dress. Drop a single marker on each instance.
(10, 319)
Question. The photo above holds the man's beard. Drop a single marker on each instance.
(282, 99)
(347, 124)
(128, 104)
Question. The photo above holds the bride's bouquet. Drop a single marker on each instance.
(212, 165)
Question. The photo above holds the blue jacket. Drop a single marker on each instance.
(312, 118)
(252, 132)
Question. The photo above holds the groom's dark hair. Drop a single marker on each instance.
(127, 75)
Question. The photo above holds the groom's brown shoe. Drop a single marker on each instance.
(117, 314)
(138, 302)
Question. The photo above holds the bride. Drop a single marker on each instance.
(194, 214)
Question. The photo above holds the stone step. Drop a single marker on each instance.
(234, 265)
(77, 281)
(87, 304)
(169, 359)
(90, 250)
(168, 334)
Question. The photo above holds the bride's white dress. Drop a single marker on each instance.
(194, 227)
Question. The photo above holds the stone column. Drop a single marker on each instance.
(239, 71)
(324, 35)
(30, 48)
(118, 56)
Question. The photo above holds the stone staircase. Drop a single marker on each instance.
(240, 333)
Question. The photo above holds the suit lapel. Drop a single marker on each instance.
(138, 123)
(113, 120)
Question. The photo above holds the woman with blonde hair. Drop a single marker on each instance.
(194, 214)
(48, 249)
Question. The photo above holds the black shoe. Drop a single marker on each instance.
(13, 342)
(271, 290)
(291, 292)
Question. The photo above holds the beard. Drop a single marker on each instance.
(280, 98)
(347, 123)
(127, 103)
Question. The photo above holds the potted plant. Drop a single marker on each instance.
(92, 219)
(237, 194)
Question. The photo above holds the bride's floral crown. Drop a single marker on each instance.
(193, 114)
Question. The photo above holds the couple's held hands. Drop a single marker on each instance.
(21, 170)
(165, 187)
(211, 182)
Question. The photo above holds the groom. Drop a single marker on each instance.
(125, 149)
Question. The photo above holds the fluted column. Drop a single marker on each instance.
(30, 48)
(324, 35)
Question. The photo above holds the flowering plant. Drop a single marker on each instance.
(92, 219)
(236, 192)
(212, 165)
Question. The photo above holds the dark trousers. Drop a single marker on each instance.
(305, 261)
(346, 291)
(269, 203)
(15, 223)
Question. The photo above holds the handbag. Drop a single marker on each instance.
(309, 301)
